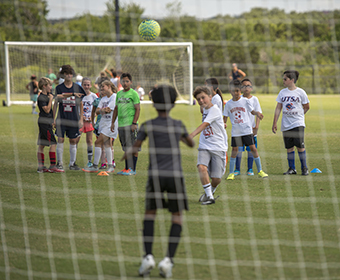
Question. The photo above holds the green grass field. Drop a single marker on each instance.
(81, 226)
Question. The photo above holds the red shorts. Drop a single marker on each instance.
(87, 127)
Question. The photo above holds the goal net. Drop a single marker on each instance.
(148, 63)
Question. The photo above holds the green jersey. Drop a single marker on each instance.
(125, 102)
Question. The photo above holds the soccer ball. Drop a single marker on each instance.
(149, 29)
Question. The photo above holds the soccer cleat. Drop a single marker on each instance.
(262, 174)
(237, 172)
(110, 169)
(42, 169)
(55, 169)
(91, 169)
(74, 167)
(231, 176)
(304, 171)
(113, 163)
(250, 172)
(148, 263)
(165, 267)
(60, 166)
(203, 198)
(209, 201)
(35, 113)
(103, 166)
(122, 172)
(290, 171)
(129, 172)
(89, 164)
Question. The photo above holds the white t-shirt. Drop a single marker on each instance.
(213, 137)
(292, 107)
(106, 119)
(114, 81)
(217, 101)
(254, 101)
(238, 112)
(87, 105)
(141, 93)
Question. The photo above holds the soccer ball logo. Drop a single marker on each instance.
(238, 115)
(149, 29)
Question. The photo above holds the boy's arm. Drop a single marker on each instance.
(257, 124)
(114, 117)
(225, 119)
(276, 116)
(54, 111)
(188, 141)
(47, 108)
(136, 117)
(199, 129)
(305, 108)
(258, 114)
(132, 150)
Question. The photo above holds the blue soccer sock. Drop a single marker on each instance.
(250, 160)
(232, 165)
(291, 159)
(238, 161)
(302, 156)
(258, 164)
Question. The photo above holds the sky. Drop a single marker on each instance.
(198, 8)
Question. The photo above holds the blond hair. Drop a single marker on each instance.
(44, 82)
(110, 84)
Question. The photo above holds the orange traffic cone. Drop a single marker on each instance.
(102, 173)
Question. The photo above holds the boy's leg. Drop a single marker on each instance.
(257, 160)
(204, 177)
(98, 153)
(60, 152)
(250, 161)
(238, 161)
(288, 138)
(52, 155)
(303, 160)
(73, 151)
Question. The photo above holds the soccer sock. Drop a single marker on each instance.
(238, 161)
(174, 238)
(250, 160)
(213, 189)
(97, 155)
(258, 164)
(134, 163)
(291, 159)
(126, 165)
(232, 165)
(148, 236)
(33, 106)
(302, 156)
(52, 158)
(108, 152)
(60, 152)
(41, 159)
(89, 153)
(207, 189)
(73, 154)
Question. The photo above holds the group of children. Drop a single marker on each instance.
(165, 172)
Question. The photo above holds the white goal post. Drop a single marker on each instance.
(148, 63)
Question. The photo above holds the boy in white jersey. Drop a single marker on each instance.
(87, 111)
(217, 98)
(213, 145)
(294, 103)
(246, 89)
(238, 109)
(105, 108)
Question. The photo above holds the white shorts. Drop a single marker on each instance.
(106, 130)
(214, 160)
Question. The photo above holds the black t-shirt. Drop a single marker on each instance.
(164, 151)
(44, 117)
(69, 107)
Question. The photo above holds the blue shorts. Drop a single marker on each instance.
(241, 149)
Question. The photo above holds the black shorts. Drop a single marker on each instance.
(46, 135)
(72, 132)
(176, 195)
(126, 137)
(294, 137)
(246, 140)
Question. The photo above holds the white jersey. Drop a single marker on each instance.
(106, 119)
(87, 105)
(238, 112)
(292, 107)
(217, 100)
(254, 101)
(213, 137)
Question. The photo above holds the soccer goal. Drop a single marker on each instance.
(148, 63)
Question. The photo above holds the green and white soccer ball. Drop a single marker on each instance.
(149, 29)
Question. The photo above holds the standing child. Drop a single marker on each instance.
(34, 91)
(238, 109)
(127, 110)
(165, 175)
(105, 108)
(246, 88)
(45, 121)
(213, 144)
(294, 103)
(217, 98)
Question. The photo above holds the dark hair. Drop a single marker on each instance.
(164, 97)
(66, 69)
(114, 73)
(236, 84)
(201, 89)
(292, 74)
(126, 75)
(33, 77)
(214, 83)
(246, 80)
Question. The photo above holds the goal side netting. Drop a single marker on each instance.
(148, 63)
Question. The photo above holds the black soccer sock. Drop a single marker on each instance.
(174, 237)
(148, 236)
(134, 163)
(126, 165)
